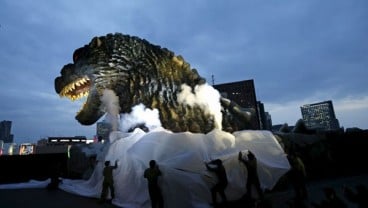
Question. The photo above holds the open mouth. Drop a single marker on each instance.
(77, 89)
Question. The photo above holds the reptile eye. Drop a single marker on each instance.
(75, 57)
(77, 54)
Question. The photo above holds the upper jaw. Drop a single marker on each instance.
(74, 86)
(71, 84)
(68, 75)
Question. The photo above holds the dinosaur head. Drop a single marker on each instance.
(138, 72)
(91, 72)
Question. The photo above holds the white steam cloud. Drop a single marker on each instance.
(111, 104)
(140, 115)
(206, 97)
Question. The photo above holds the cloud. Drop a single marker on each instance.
(296, 52)
(352, 112)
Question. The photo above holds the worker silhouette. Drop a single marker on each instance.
(152, 174)
(55, 174)
(108, 182)
(217, 167)
(252, 178)
(297, 175)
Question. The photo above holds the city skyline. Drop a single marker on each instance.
(297, 53)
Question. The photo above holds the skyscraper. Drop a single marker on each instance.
(320, 116)
(5, 132)
(243, 93)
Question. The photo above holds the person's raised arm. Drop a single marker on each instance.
(240, 157)
(209, 167)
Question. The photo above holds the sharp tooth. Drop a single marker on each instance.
(77, 83)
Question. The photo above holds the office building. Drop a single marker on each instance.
(320, 116)
(5, 132)
(243, 93)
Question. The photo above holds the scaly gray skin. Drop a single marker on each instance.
(139, 72)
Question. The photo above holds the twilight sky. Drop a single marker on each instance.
(297, 52)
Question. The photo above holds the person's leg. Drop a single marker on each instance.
(160, 198)
(104, 191)
(112, 191)
(259, 190)
(304, 188)
(298, 190)
(223, 195)
(249, 189)
(214, 193)
(153, 197)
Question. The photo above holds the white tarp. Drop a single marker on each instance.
(31, 184)
(185, 181)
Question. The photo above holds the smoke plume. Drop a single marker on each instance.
(206, 97)
(111, 104)
(140, 115)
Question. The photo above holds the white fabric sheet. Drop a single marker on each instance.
(185, 181)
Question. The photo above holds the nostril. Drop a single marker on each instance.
(67, 69)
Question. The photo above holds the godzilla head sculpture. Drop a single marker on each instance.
(140, 72)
